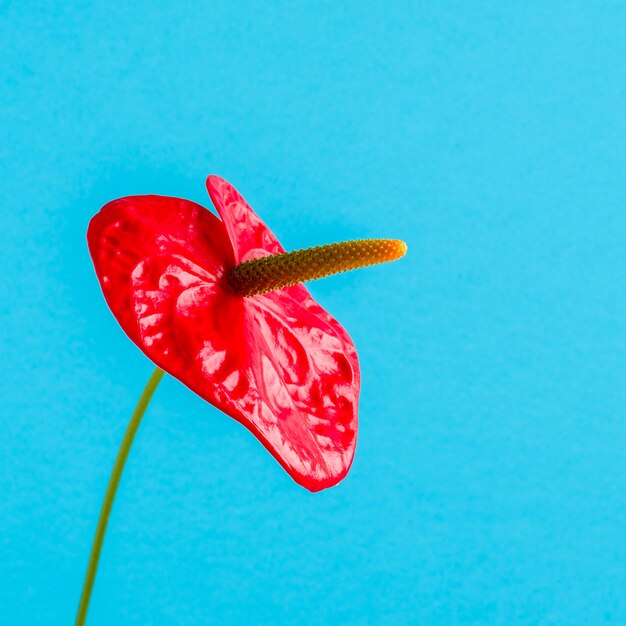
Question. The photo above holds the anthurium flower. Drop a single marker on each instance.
(218, 304)
(276, 362)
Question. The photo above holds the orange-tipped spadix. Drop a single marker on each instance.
(269, 273)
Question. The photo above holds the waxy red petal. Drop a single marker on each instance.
(251, 239)
(278, 363)
(249, 236)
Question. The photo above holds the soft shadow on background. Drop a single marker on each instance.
(489, 485)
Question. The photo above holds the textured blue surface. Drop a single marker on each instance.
(489, 485)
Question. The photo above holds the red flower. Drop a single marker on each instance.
(278, 363)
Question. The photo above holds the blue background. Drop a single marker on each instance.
(489, 485)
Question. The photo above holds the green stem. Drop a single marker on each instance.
(114, 481)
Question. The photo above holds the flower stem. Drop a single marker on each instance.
(114, 481)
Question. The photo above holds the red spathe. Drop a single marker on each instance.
(278, 363)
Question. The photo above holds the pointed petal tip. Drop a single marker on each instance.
(213, 178)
